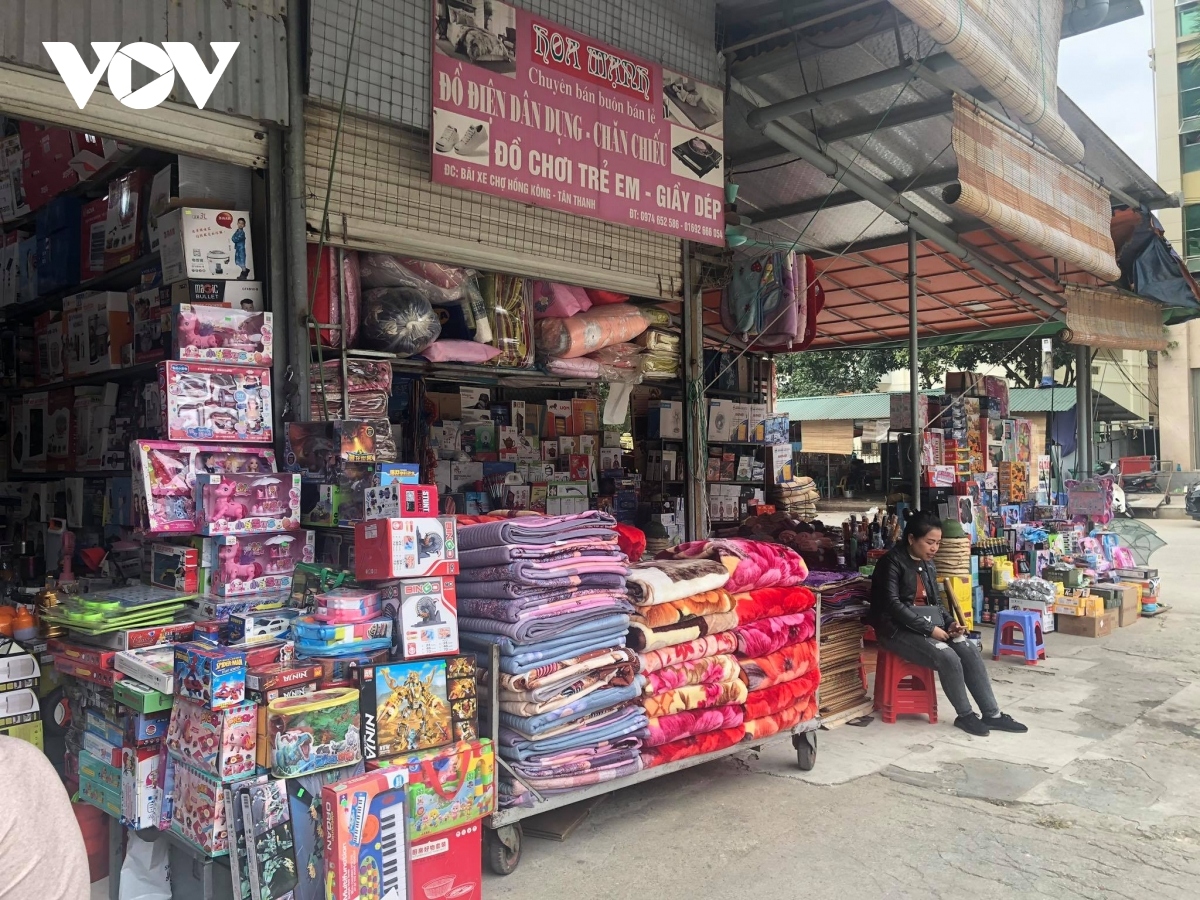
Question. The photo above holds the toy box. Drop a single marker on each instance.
(399, 473)
(142, 730)
(405, 548)
(310, 579)
(405, 707)
(451, 860)
(164, 479)
(216, 334)
(244, 295)
(250, 628)
(140, 795)
(108, 753)
(449, 787)
(19, 668)
(176, 568)
(208, 244)
(143, 699)
(248, 564)
(99, 771)
(340, 452)
(247, 504)
(201, 401)
(214, 676)
(100, 796)
(342, 671)
(101, 727)
(223, 609)
(152, 666)
(281, 680)
(365, 836)
(425, 616)
(330, 504)
(400, 501)
(198, 810)
(308, 734)
(217, 741)
(347, 604)
(315, 638)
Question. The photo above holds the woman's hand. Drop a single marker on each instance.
(939, 634)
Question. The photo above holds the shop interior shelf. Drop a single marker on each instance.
(735, 444)
(91, 473)
(121, 278)
(129, 372)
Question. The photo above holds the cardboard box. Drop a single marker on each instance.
(176, 568)
(1131, 609)
(152, 666)
(357, 807)
(213, 676)
(424, 613)
(665, 419)
(152, 323)
(222, 403)
(140, 794)
(241, 504)
(10, 253)
(400, 501)
(93, 223)
(206, 244)
(12, 189)
(1089, 626)
(252, 564)
(125, 223)
(48, 335)
(27, 263)
(219, 742)
(99, 332)
(330, 504)
(405, 548)
(722, 423)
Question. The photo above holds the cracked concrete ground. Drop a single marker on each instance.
(1101, 799)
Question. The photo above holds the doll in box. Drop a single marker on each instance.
(247, 564)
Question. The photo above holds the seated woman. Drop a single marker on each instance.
(927, 634)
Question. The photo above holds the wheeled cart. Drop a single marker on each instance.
(504, 838)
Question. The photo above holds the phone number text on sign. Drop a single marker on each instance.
(526, 110)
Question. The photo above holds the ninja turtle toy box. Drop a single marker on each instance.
(424, 612)
(405, 548)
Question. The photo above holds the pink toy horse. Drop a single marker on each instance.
(221, 504)
(190, 334)
(232, 570)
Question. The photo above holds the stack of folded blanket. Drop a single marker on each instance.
(682, 627)
(370, 393)
(550, 593)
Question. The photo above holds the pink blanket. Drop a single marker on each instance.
(695, 671)
(751, 564)
(711, 645)
(664, 729)
(695, 696)
(768, 635)
(785, 664)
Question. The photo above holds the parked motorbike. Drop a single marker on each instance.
(1192, 502)
(1109, 468)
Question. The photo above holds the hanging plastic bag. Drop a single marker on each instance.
(590, 331)
(398, 320)
(379, 270)
(510, 315)
(327, 304)
(145, 874)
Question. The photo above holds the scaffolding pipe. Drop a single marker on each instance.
(296, 221)
(914, 372)
(1083, 409)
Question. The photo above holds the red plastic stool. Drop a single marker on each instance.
(904, 689)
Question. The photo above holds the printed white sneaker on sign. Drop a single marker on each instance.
(449, 138)
(475, 136)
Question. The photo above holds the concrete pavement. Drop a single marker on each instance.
(1101, 799)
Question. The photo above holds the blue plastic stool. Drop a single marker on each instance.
(1030, 645)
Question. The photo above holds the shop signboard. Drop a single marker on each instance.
(529, 110)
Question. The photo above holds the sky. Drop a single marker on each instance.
(1107, 73)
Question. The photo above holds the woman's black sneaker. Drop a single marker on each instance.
(972, 724)
(1005, 722)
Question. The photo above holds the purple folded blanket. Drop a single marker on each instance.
(550, 605)
(521, 590)
(501, 555)
(533, 571)
(533, 629)
(537, 531)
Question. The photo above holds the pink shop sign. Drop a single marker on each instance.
(531, 111)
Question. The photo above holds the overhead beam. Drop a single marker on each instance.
(803, 144)
(838, 11)
(844, 198)
(897, 75)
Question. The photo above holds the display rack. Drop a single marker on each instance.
(504, 835)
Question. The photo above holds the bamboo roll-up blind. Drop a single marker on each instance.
(1007, 181)
(836, 437)
(1113, 320)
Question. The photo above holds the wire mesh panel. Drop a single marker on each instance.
(382, 195)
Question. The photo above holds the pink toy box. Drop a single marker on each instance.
(250, 564)
(214, 676)
(220, 742)
(215, 334)
(247, 504)
(208, 402)
(405, 548)
(198, 809)
(346, 605)
(164, 479)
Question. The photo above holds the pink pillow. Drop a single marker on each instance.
(558, 300)
(460, 351)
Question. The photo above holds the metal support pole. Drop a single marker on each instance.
(296, 305)
(914, 374)
(695, 427)
(277, 273)
(1083, 406)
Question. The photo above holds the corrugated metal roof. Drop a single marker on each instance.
(254, 85)
(878, 406)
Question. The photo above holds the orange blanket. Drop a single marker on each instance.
(707, 603)
(694, 696)
(766, 726)
(786, 664)
(766, 603)
(769, 701)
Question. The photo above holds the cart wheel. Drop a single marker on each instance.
(504, 849)
(806, 750)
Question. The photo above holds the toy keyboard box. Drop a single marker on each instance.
(449, 787)
(203, 402)
(220, 742)
(152, 666)
(405, 707)
(213, 676)
(425, 616)
(217, 334)
(164, 479)
(254, 563)
(247, 503)
(366, 843)
(405, 548)
(315, 732)
(329, 452)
